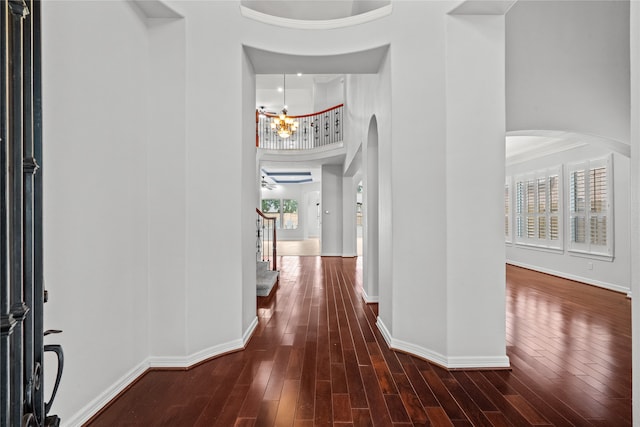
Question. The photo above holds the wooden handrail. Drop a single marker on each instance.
(306, 115)
(315, 130)
(274, 240)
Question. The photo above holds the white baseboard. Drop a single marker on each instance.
(587, 280)
(249, 332)
(186, 362)
(369, 299)
(475, 362)
(99, 402)
(479, 362)
(180, 362)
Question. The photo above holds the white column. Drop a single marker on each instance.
(371, 231)
(475, 156)
(331, 216)
(349, 187)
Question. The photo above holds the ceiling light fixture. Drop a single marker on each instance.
(283, 125)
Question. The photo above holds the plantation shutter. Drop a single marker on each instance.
(507, 210)
(591, 207)
(577, 214)
(554, 207)
(541, 187)
(519, 210)
(538, 208)
(599, 206)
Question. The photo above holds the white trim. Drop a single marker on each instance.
(592, 255)
(384, 331)
(534, 247)
(588, 281)
(369, 299)
(249, 332)
(477, 362)
(630, 295)
(183, 362)
(331, 254)
(308, 24)
(193, 359)
(92, 408)
(335, 150)
(350, 255)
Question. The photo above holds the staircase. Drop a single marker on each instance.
(266, 254)
(265, 279)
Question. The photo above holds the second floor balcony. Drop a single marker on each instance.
(317, 130)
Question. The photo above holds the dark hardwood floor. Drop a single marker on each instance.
(317, 358)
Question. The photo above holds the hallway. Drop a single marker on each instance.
(317, 358)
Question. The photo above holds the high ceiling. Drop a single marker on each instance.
(299, 91)
(314, 10)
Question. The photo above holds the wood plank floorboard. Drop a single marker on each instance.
(317, 358)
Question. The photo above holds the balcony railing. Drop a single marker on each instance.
(314, 131)
(266, 240)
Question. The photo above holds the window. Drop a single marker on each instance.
(538, 209)
(590, 207)
(289, 214)
(271, 209)
(285, 212)
(507, 210)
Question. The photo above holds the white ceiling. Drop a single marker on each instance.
(299, 91)
(280, 175)
(361, 62)
(314, 10)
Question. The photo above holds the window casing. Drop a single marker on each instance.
(507, 211)
(590, 216)
(538, 209)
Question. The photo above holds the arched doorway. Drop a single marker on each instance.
(370, 214)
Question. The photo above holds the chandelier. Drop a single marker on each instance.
(283, 125)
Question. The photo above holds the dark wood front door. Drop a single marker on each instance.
(22, 295)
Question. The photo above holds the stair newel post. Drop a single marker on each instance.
(273, 243)
(265, 234)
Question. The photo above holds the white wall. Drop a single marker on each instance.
(249, 193)
(101, 213)
(367, 100)
(332, 211)
(328, 94)
(313, 216)
(635, 198)
(302, 193)
(413, 161)
(475, 155)
(217, 249)
(349, 205)
(568, 67)
(166, 153)
(371, 209)
(615, 274)
(416, 286)
(95, 187)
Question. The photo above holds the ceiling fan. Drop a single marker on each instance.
(262, 110)
(267, 185)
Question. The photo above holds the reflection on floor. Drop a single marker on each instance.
(309, 247)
